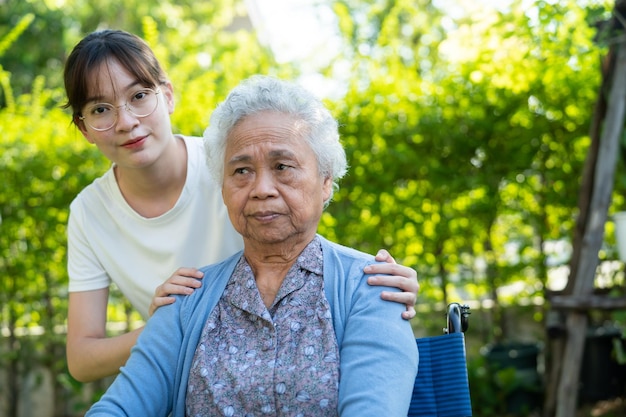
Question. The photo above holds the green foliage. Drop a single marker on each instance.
(40, 48)
(466, 139)
(504, 381)
(12, 36)
(487, 399)
(38, 160)
(44, 164)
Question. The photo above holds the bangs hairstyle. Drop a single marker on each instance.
(94, 51)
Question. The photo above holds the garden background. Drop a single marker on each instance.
(466, 129)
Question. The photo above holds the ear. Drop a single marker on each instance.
(83, 129)
(327, 187)
(168, 94)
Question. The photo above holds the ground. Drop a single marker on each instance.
(609, 408)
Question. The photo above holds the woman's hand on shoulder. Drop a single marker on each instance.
(183, 281)
(398, 276)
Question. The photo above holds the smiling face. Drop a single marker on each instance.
(272, 187)
(133, 142)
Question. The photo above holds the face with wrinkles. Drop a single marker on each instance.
(272, 186)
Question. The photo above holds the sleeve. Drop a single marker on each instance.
(84, 270)
(378, 354)
(146, 384)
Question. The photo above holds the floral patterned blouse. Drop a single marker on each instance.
(281, 361)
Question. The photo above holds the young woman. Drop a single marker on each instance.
(156, 209)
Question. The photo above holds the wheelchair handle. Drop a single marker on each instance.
(457, 317)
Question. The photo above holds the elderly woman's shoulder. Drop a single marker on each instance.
(346, 252)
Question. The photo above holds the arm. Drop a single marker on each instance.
(145, 386)
(92, 355)
(397, 276)
(378, 357)
(154, 380)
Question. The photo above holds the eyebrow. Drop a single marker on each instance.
(280, 153)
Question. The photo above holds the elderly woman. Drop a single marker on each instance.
(289, 326)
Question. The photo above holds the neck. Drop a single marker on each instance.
(270, 264)
(154, 189)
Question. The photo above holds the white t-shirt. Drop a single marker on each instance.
(109, 241)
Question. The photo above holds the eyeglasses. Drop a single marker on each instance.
(103, 116)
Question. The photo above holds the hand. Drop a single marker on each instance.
(398, 276)
(183, 281)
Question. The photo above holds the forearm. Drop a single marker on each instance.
(93, 358)
(146, 384)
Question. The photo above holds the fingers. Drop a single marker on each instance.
(177, 285)
(409, 313)
(183, 282)
(398, 276)
(188, 272)
(391, 269)
(158, 302)
(384, 256)
(405, 298)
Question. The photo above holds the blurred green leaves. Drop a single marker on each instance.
(466, 139)
(466, 135)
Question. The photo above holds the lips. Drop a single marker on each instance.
(265, 216)
(133, 143)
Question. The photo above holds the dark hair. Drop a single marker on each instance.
(132, 52)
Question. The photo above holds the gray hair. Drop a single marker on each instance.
(262, 93)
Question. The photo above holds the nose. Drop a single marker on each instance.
(126, 120)
(264, 185)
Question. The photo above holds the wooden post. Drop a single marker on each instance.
(576, 323)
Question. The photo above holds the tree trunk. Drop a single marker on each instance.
(556, 344)
(583, 280)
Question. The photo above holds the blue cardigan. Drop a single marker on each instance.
(377, 349)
